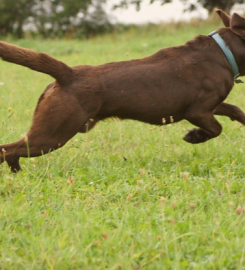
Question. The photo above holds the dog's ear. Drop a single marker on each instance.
(224, 17)
(238, 25)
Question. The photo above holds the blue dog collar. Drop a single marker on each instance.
(229, 55)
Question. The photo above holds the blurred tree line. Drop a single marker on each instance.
(49, 18)
(76, 18)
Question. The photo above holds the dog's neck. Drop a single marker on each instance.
(229, 55)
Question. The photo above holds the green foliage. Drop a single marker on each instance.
(13, 14)
(127, 195)
(53, 17)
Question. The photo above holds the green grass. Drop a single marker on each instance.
(127, 195)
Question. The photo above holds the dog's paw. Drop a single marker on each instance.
(14, 164)
(196, 136)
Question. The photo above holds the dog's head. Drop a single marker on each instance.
(234, 35)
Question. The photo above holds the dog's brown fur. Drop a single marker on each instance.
(186, 82)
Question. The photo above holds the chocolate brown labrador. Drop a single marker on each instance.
(185, 82)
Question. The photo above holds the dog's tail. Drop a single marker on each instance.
(37, 61)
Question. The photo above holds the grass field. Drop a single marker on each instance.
(127, 195)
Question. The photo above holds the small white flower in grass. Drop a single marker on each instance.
(91, 183)
(2, 83)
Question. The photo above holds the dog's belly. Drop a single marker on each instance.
(146, 106)
(151, 116)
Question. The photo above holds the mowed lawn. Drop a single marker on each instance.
(127, 195)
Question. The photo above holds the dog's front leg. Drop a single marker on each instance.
(231, 111)
(209, 127)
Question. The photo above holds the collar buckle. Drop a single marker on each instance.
(238, 80)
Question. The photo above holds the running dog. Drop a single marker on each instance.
(185, 82)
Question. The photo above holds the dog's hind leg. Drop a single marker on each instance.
(209, 127)
(54, 123)
(41, 140)
(231, 111)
